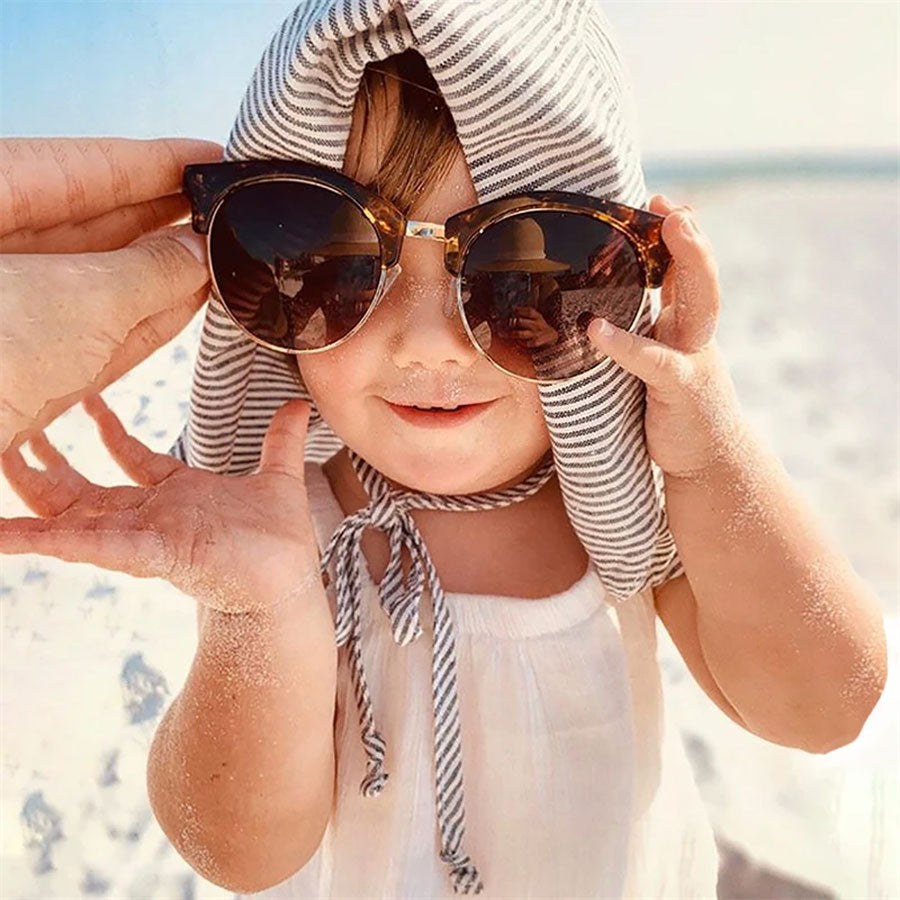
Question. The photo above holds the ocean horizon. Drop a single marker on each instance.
(860, 164)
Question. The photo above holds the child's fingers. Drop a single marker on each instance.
(659, 366)
(111, 541)
(135, 458)
(662, 205)
(57, 465)
(46, 493)
(60, 488)
(690, 292)
(285, 438)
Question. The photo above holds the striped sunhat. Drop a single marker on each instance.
(541, 101)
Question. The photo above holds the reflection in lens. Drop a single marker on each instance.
(533, 282)
(296, 264)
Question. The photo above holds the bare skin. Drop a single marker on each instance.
(93, 275)
(694, 432)
(204, 533)
(761, 655)
(193, 528)
(409, 348)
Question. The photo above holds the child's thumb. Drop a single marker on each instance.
(285, 442)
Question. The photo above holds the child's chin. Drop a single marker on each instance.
(436, 475)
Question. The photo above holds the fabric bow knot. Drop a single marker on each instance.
(399, 596)
(388, 510)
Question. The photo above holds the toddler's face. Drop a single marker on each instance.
(413, 350)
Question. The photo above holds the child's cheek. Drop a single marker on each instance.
(526, 415)
(328, 384)
(334, 373)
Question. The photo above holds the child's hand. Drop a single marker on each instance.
(92, 280)
(234, 543)
(692, 414)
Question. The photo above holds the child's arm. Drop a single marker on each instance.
(241, 771)
(791, 634)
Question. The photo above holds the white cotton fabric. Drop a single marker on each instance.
(577, 783)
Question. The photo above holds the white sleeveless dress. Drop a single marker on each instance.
(575, 780)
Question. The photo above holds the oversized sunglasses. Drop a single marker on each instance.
(300, 256)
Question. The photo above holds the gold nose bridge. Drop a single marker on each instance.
(431, 230)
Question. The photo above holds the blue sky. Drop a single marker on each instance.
(710, 78)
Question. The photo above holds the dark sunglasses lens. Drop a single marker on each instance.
(296, 264)
(533, 282)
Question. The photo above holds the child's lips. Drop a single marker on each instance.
(439, 418)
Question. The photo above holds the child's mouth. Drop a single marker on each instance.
(439, 417)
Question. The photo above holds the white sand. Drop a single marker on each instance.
(809, 327)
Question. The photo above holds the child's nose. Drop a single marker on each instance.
(421, 311)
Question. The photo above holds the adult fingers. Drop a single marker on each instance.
(17, 426)
(70, 321)
(146, 337)
(155, 272)
(47, 181)
(285, 441)
(108, 231)
(135, 458)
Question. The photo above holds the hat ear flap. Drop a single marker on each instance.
(551, 136)
(321, 442)
(238, 386)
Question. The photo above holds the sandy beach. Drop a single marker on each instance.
(809, 327)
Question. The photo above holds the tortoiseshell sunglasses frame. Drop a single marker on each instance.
(208, 184)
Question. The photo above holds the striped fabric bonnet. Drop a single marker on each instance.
(540, 100)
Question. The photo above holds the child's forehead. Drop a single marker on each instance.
(453, 193)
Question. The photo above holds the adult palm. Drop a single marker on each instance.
(93, 274)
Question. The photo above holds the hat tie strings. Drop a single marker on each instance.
(400, 597)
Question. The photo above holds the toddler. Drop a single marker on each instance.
(468, 699)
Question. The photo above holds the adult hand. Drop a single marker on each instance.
(237, 544)
(692, 416)
(532, 329)
(93, 274)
